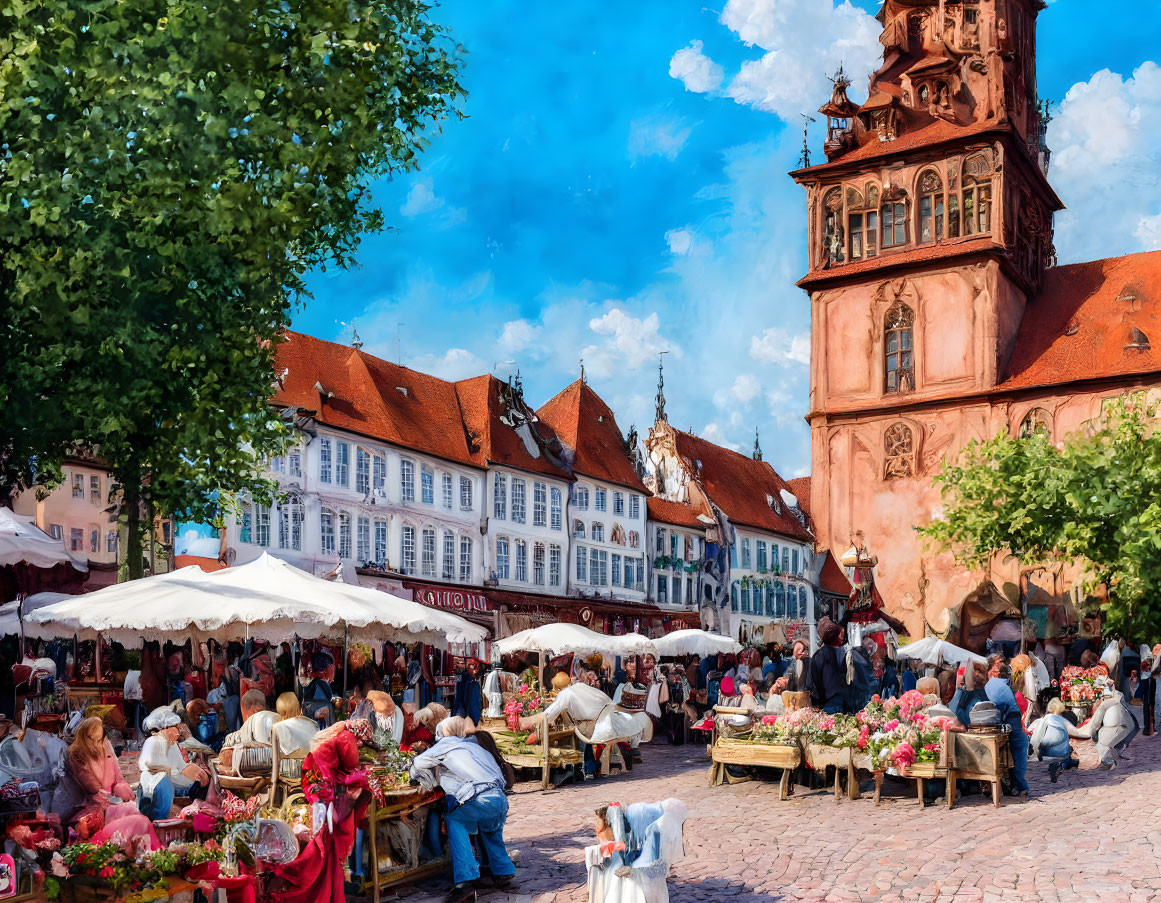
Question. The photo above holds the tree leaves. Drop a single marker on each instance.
(1095, 501)
(169, 173)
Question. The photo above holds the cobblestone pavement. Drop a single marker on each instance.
(1091, 836)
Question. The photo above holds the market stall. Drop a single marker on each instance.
(701, 643)
(559, 745)
(271, 600)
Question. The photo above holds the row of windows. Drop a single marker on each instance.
(546, 504)
(683, 546)
(77, 538)
(781, 601)
(632, 538)
(598, 567)
(789, 563)
(94, 488)
(426, 554)
(289, 464)
(512, 561)
(371, 475)
(663, 585)
(578, 497)
(939, 214)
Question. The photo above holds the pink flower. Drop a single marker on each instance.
(106, 872)
(891, 725)
(769, 719)
(861, 743)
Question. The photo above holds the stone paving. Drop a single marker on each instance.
(1092, 836)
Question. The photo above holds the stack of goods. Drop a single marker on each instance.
(1083, 686)
(126, 871)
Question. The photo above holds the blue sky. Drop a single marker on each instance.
(619, 188)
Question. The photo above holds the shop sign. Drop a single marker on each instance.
(453, 599)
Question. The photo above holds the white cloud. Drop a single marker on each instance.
(680, 241)
(518, 335)
(804, 40)
(1106, 143)
(420, 199)
(777, 346)
(715, 434)
(744, 390)
(697, 72)
(633, 340)
(455, 363)
(657, 135)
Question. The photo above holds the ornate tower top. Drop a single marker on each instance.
(660, 414)
(757, 448)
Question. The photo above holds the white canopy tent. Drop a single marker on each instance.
(935, 652)
(10, 612)
(265, 599)
(22, 542)
(696, 642)
(563, 639)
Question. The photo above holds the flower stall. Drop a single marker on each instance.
(1081, 688)
(889, 736)
(541, 751)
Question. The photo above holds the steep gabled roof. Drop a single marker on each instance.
(1081, 324)
(833, 578)
(371, 397)
(800, 486)
(496, 442)
(740, 486)
(586, 425)
(676, 513)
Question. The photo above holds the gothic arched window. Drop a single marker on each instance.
(930, 207)
(832, 226)
(977, 207)
(898, 452)
(1035, 421)
(862, 225)
(898, 348)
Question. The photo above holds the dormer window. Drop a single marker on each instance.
(894, 225)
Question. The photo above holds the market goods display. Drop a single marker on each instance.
(126, 871)
(1083, 686)
(524, 702)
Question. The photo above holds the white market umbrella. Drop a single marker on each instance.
(563, 639)
(695, 642)
(10, 611)
(22, 542)
(266, 599)
(935, 651)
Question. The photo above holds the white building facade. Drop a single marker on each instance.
(608, 525)
(349, 499)
(527, 547)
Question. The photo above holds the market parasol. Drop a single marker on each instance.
(563, 639)
(10, 611)
(935, 651)
(695, 642)
(22, 542)
(266, 599)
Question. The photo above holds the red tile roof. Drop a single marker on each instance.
(1081, 323)
(800, 486)
(739, 485)
(676, 513)
(935, 132)
(586, 424)
(833, 578)
(953, 249)
(494, 441)
(371, 397)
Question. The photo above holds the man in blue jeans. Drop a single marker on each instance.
(474, 788)
(999, 693)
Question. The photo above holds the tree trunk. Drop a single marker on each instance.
(133, 552)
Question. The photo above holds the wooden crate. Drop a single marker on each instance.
(754, 755)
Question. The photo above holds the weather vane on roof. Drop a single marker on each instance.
(804, 160)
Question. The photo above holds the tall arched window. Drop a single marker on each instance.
(898, 349)
(832, 226)
(930, 207)
(1035, 421)
(290, 514)
(898, 452)
(977, 207)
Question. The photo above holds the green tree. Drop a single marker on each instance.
(170, 170)
(1096, 500)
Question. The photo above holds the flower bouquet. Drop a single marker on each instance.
(390, 771)
(108, 863)
(774, 730)
(526, 701)
(1082, 686)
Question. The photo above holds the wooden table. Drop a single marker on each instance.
(403, 815)
(978, 756)
(821, 757)
(920, 772)
(557, 748)
(754, 755)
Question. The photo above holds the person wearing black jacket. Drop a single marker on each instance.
(828, 670)
(469, 696)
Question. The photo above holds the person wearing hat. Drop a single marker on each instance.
(828, 669)
(164, 770)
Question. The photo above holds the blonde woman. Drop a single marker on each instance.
(293, 729)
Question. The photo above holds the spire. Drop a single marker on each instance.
(660, 413)
(757, 447)
(582, 366)
(356, 342)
